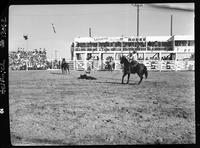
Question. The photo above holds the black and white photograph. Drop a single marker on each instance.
(101, 74)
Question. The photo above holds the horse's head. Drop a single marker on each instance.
(122, 59)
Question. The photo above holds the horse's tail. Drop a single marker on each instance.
(145, 72)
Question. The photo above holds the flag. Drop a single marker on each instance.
(25, 37)
(53, 28)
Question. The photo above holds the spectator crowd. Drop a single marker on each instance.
(23, 60)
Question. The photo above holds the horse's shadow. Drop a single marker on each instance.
(118, 83)
(56, 73)
(133, 83)
(108, 82)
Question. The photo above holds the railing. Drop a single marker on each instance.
(152, 65)
(163, 65)
(168, 65)
(124, 48)
(79, 65)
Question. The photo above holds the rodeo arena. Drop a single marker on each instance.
(89, 105)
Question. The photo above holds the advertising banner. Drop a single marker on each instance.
(190, 65)
(181, 65)
(168, 65)
(152, 65)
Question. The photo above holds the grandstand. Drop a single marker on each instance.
(157, 52)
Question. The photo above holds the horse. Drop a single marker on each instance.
(64, 66)
(133, 67)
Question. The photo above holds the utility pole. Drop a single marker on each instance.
(171, 28)
(138, 21)
(90, 32)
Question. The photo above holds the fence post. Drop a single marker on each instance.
(74, 64)
(160, 63)
(27, 65)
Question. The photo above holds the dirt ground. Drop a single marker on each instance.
(48, 108)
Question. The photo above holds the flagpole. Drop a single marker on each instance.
(26, 39)
(52, 49)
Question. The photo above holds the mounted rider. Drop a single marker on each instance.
(133, 58)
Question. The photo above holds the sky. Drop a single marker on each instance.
(105, 20)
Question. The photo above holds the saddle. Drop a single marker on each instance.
(134, 63)
(132, 68)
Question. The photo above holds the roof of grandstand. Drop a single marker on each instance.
(126, 39)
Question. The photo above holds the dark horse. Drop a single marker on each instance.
(64, 66)
(133, 68)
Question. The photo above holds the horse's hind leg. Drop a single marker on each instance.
(141, 77)
(140, 80)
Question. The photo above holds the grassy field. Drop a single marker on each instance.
(48, 108)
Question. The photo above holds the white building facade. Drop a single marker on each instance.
(156, 52)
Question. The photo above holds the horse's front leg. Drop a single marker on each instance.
(123, 77)
(128, 78)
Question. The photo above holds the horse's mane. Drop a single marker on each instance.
(132, 62)
(124, 58)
